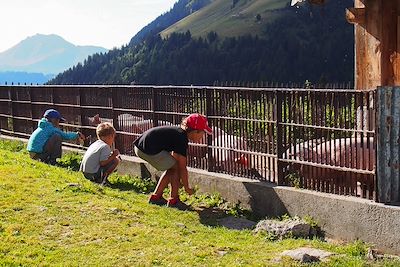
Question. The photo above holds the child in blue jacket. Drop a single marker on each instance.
(46, 141)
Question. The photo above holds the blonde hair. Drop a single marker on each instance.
(104, 129)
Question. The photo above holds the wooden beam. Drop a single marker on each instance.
(388, 42)
(355, 15)
(396, 59)
(360, 52)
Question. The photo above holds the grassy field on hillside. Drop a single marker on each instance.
(228, 21)
(53, 216)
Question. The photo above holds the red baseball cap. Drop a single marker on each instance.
(198, 122)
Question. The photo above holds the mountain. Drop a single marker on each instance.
(45, 54)
(180, 10)
(245, 41)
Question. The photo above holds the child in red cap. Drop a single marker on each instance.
(165, 148)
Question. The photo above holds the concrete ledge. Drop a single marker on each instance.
(344, 218)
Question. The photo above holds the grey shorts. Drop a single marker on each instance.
(162, 161)
(99, 175)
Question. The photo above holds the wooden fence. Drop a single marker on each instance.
(322, 140)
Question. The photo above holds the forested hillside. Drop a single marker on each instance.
(303, 43)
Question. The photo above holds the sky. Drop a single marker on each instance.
(106, 23)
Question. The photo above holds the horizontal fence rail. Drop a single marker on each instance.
(323, 140)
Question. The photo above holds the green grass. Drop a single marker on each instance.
(53, 216)
(220, 17)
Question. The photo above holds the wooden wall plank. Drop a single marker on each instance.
(396, 60)
(377, 44)
(373, 44)
(388, 41)
(360, 53)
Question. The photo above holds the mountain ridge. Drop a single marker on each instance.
(47, 54)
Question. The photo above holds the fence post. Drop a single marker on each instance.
(30, 107)
(81, 129)
(52, 95)
(119, 139)
(113, 101)
(279, 134)
(154, 106)
(388, 136)
(11, 120)
(209, 112)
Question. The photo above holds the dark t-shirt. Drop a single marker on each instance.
(168, 138)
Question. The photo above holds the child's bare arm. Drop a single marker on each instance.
(183, 172)
(113, 156)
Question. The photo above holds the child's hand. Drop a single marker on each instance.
(115, 153)
(81, 136)
(189, 190)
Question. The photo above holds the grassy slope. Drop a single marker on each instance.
(46, 220)
(219, 17)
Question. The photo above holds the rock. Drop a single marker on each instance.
(115, 210)
(222, 252)
(292, 227)
(181, 225)
(307, 255)
(236, 223)
(42, 208)
(371, 254)
(306, 258)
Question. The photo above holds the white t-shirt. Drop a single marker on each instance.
(98, 151)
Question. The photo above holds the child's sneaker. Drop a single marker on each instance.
(160, 201)
(177, 204)
(106, 183)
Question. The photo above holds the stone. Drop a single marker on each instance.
(42, 208)
(222, 252)
(371, 254)
(115, 210)
(307, 255)
(181, 225)
(236, 223)
(282, 229)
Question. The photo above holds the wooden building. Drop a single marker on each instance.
(377, 42)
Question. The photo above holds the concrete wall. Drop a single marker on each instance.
(343, 218)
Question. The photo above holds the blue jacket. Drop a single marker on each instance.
(43, 133)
